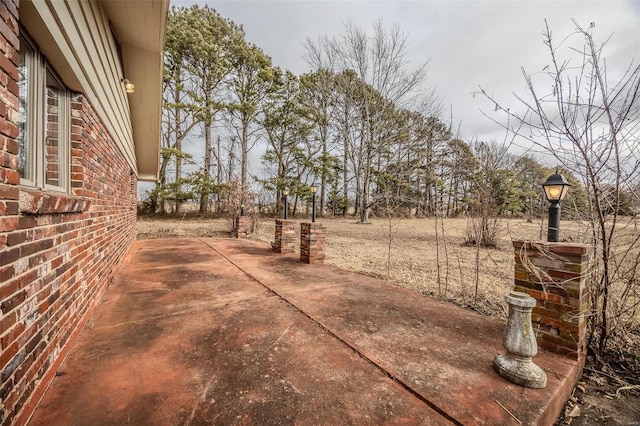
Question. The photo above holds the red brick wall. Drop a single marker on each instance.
(313, 238)
(556, 275)
(58, 253)
(285, 236)
(241, 227)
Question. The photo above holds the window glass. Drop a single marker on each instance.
(53, 150)
(24, 162)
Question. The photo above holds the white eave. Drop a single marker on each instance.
(140, 28)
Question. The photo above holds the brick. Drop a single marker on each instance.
(565, 275)
(26, 222)
(12, 335)
(9, 207)
(11, 303)
(6, 272)
(16, 238)
(9, 255)
(570, 345)
(7, 321)
(11, 146)
(34, 342)
(8, 224)
(9, 34)
(544, 262)
(569, 249)
(559, 307)
(573, 335)
(10, 68)
(12, 365)
(5, 389)
(8, 128)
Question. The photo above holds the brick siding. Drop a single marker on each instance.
(241, 227)
(556, 275)
(285, 236)
(58, 252)
(313, 238)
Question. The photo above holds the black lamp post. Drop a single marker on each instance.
(314, 189)
(555, 189)
(285, 193)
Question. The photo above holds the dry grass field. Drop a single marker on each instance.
(411, 253)
(408, 253)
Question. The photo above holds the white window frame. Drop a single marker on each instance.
(36, 121)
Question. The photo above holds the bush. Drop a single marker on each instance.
(482, 231)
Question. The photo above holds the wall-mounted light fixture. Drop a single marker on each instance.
(128, 86)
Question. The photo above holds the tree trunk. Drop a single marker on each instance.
(243, 162)
(358, 200)
(162, 179)
(345, 187)
(176, 99)
(204, 197)
(281, 175)
(218, 175)
(364, 211)
(323, 177)
(364, 208)
(345, 172)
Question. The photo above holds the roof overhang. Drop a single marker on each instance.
(140, 28)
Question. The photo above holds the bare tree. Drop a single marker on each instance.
(590, 124)
(380, 59)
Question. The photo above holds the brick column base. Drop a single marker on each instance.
(285, 239)
(313, 237)
(241, 227)
(556, 274)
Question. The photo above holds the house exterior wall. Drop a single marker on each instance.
(58, 252)
(76, 38)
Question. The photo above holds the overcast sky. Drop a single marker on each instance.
(468, 43)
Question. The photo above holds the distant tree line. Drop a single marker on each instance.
(362, 126)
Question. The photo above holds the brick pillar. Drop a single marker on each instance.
(241, 227)
(285, 240)
(313, 237)
(556, 274)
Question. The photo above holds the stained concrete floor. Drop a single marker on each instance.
(223, 331)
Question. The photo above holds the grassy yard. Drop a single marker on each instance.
(413, 253)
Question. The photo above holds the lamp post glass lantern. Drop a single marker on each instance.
(555, 189)
(285, 193)
(314, 189)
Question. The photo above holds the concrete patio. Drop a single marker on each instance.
(222, 331)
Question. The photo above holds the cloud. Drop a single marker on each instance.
(469, 43)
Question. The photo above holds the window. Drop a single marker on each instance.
(43, 122)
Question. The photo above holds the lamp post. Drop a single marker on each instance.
(285, 193)
(555, 189)
(314, 189)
